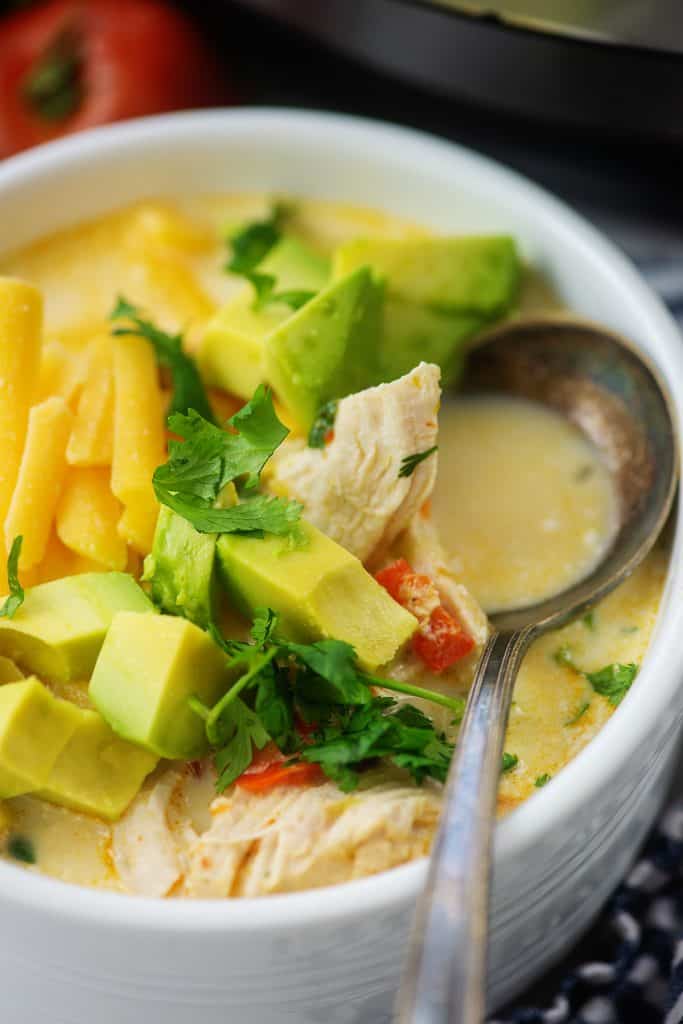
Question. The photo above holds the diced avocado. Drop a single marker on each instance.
(59, 629)
(413, 333)
(97, 772)
(466, 274)
(35, 727)
(319, 590)
(232, 351)
(328, 348)
(180, 569)
(295, 266)
(147, 670)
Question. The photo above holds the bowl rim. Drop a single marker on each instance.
(596, 764)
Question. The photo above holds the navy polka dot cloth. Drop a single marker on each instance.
(635, 975)
(638, 975)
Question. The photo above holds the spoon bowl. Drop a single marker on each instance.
(607, 390)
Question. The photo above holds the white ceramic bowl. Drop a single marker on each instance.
(72, 956)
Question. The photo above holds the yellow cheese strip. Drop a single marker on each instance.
(87, 518)
(21, 315)
(40, 479)
(92, 437)
(62, 372)
(139, 438)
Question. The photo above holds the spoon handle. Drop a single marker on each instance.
(444, 977)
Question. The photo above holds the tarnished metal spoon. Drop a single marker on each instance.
(607, 389)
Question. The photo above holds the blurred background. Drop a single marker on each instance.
(584, 96)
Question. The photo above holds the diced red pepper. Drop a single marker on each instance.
(440, 640)
(301, 773)
(264, 759)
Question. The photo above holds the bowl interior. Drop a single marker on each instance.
(415, 176)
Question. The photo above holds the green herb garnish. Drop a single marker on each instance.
(510, 761)
(208, 458)
(16, 591)
(564, 657)
(589, 619)
(410, 463)
(322, 425)
(21, 849)
(188, 390)
(282, 683)
(542, 780)
(614, 681)
(249, 247)
(583, 708)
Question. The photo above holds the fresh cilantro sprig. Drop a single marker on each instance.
(188, 390)
(410, 463)
(15, 598)
(249, 246)
(510, 762)
(612, 682)
(208, 458)
(282, 683)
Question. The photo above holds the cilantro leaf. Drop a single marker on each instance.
(16, 591)
(264, 625)
(323, 424)
(582, 709)
(262, 514)
(249, 247)
(241, 732)
(252, 243)
(410, 463)
(589, 619)
(542, 780)
(613, 682)
(333, 662)
(208, 458)
(259, 433)
(188, 390)
(274, 704)
(564, 657)
(510, 762)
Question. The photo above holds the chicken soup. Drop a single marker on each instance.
(250, 547)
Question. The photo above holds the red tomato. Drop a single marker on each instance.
(299, 774)
(440, 640)
(72, 64)
(264, 759)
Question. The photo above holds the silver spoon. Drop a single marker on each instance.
(609, 391)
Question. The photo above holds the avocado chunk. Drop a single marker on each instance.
(58, 631)
(319, 590)
(180, 569)
(413, 333)
(232, 350)
(35, 727)
(466, 274)
(148, 668)
(328, 348)
(295, 266)
(97, 772)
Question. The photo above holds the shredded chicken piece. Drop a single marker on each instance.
(351, 489)
(292, 839)
(148, 843)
